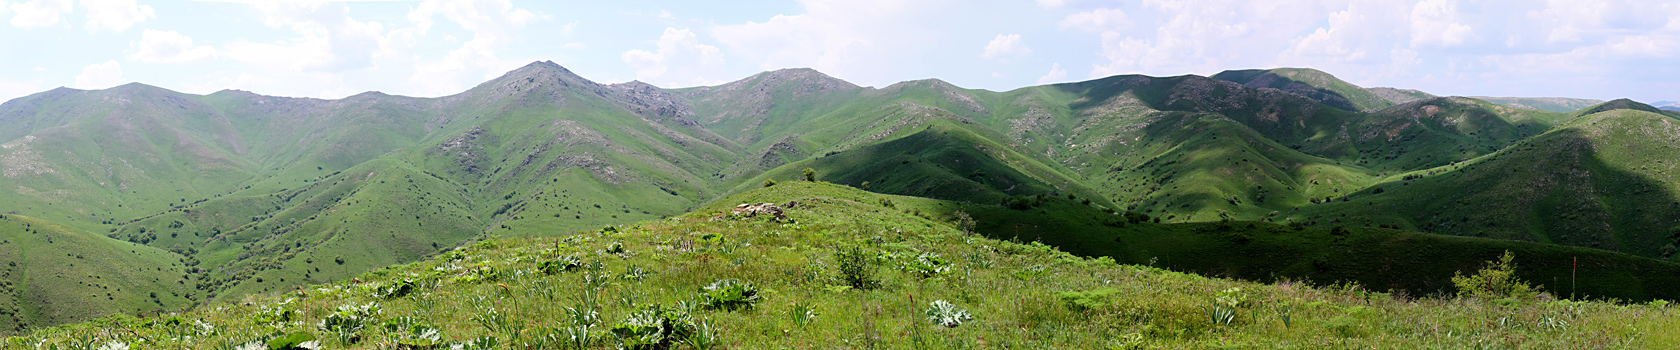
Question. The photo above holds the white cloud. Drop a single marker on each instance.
(39, 13)
(675, 45)
(1435, 24)
(1096, 21)
(1004, 46)
(1057, 74)
(156, 46)
(100, 76)
(326, 49)
(1050, 3)
(116, 15)
(1362, 33)
(1204, 36)
(494, 23)
(864, 41)
(329, 40)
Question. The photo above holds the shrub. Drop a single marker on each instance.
(769, 182)
(943, 313)
(857, 267)
(809, 174)
(396, 289)
(1338, 230)
(1135, 217)
(1497, 279)
(1091, 300)
(964, 221)
(1019, 202)
(729, 294)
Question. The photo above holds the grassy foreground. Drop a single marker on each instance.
(925, 284)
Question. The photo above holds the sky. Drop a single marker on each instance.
(1602, 49)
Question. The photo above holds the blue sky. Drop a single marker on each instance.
(1571, 48)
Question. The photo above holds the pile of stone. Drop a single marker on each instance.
(748, 210)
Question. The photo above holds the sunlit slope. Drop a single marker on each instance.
(1310, 83)
(1549, 104)
(553, 154)
(85, 158)
(54, 274)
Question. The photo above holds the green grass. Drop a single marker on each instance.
(1600, 180)
(52, 274)
(1311, 83)
(1549, 104)
(264, 194)
(1018, 295)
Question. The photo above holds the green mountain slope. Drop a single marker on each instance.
(1310, 83)
(263, 194)
(556, 154)
(1550, 104)
(1399, 96)
(923, 283)
(1600, 180)
(54, 274)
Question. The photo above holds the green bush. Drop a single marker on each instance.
(396, 289)
(1496, 280)
(1092, 300)
(769, 182)
(857, 267)
(809, 174)
(729, 294)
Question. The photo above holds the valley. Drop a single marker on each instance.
(224, 196)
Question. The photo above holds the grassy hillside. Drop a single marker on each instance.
(1600, 180)
(1433, 132)
(263, 194)
(1399, 96)
(919, 283)
(1550, 104)
(1310, 83)
(54, 274)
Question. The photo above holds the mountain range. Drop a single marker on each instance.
(233, 193)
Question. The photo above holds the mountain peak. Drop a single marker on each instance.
(799, 81)
(540, 75)
(1310, 83)
(1620, 103)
